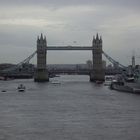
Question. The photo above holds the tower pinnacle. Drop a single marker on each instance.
(41, 38)
(97, 37)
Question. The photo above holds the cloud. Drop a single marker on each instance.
(64, 22)
(60, 3)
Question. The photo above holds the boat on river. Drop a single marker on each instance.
(125, 86)
(129, 78)
(56, 83)
(108, 80)
(21, 88)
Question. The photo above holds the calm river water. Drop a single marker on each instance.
(75, 109)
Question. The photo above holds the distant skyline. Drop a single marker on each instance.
(72, 22)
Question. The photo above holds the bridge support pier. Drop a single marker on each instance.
(41, 73)
(97, 73)
(97, 76)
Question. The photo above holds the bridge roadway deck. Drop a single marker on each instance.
(69, 48)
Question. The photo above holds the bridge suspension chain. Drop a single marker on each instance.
(21, 63)
(113, 61)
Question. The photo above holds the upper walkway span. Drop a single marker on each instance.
(69, 48)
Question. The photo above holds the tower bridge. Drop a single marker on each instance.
(97, 72)
(41, 74)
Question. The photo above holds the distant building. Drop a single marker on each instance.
(5, 66)
(89, 64)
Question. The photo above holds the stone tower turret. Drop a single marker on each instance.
(41, 74)
(97, 73)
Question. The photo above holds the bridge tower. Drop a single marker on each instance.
(97, 73)
(41, 74)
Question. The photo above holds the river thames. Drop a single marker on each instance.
(69, 107)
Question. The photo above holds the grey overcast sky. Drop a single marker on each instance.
(69, 22)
